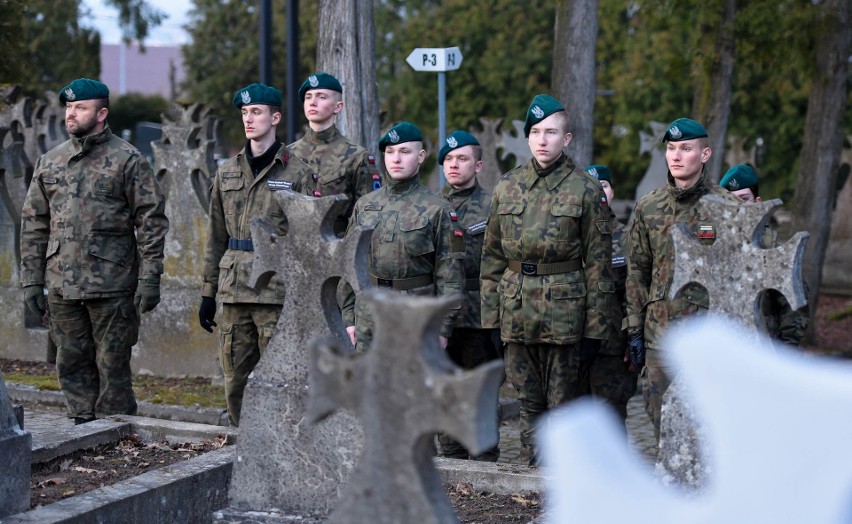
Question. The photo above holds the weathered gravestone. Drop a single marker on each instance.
(490, 141)
(655, 175)
(15, 459)
(404, 390)
(285, 466)
(736, 271)
(777, 424)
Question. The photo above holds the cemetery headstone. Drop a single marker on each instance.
(655, 175)
(15, 458)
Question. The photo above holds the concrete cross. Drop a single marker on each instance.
(404, 390)
(283, 462)
(735, 269)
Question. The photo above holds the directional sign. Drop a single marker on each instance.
(435, 59)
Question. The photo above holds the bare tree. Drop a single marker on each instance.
(346, 48)
(823, 137)
(575, 34)
(711, 103)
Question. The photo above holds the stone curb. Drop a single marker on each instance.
(199, 415)
(501, 479)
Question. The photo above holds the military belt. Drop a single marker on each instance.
(532, 269)
(402, 284)
(471, 284)
(240, 244)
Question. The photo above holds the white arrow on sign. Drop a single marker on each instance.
(435, 59)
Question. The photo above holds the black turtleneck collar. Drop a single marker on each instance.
(544, 171)
(258, 163)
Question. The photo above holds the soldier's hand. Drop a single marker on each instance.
(34, 300)
(636, 349)
(147, 293)
(206, 312)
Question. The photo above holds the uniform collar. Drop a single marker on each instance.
(553, 174)
(696, 190)
(402, 186)
(325, 136)
(85, 144)
(450, 191)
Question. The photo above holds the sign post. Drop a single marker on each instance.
(437, 60)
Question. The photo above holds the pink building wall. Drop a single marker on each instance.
(126, 70)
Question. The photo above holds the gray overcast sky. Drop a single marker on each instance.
(170, 32)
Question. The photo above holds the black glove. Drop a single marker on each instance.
(636, 349)
(589, 348)
(34, 300)
(206, 313)
(147, 293)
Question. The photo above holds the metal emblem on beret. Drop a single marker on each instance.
(733, 185)
(69, 94)
(452, 142)
(245, 97)
(313, 81)
(594, 172)
(394, 136)
(537, 112)
(675, 132)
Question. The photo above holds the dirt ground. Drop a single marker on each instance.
(107, 464)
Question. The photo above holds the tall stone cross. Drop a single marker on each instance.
(404, 389)
(735, 269)
(282, 461)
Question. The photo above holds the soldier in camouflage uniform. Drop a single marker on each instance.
(782, 322)
(546, 269)
(416, 247)
(611, 375)
(650, 258)
(469, 345)
(340, 166)
(93, 230)
(244, 188)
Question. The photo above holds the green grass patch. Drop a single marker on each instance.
(40, 382)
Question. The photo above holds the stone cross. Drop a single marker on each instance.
(655, 175)
(516, 144)
(735, 269)
(404, 389)
(282, 461)
(490, 140)
(15, 459)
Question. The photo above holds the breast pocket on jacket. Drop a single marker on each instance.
(564, 221)
(509, 215)
(232, 183)
(416, 236)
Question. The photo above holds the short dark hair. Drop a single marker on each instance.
(100, 103)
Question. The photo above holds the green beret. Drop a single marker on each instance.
(257, 94)
(83, 89)
(400, 134)
(542, 107)
(319, 81)
(457, 139)
(739, 177)
(683, 129)
(599, 171)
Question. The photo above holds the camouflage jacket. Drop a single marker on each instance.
(237, 197)
(650, 257)
(339, 166)
(555, 216)
(471, 207)
(93, 221)
(617, 343)
(413, 236)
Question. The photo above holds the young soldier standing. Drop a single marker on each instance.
(782, 323)
(546, 269)
(340, 166)
(470, 345)
(93, 230)
(244, 188)
(416, 247)
(610, 375)
(650, 258)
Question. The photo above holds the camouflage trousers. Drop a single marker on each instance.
(656, 379)
(468, 348)
(245, 331)
(94, 338)
(608, 377)
(545, 376)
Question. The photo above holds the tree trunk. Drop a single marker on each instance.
(823, 138)
(711, 103)
(575, 34)
(346, 48)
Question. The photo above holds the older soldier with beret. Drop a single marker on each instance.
(93, 230)
(416, 248)
(340, 166)
(781, 322)
(244, 188)
(470, 345)
(610, 375)
(546, 269)
(650, 257)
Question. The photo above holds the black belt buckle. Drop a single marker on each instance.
(528, 268)
(384, 282)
